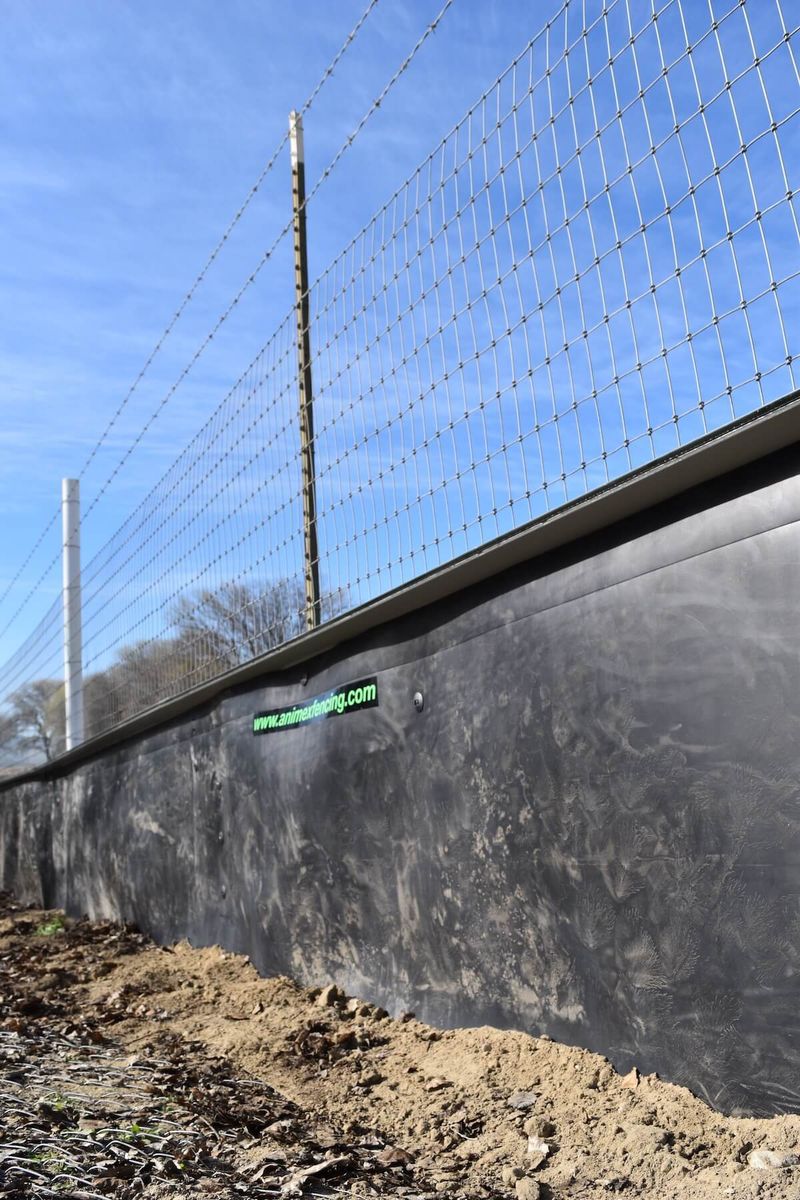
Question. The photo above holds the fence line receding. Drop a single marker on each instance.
(599, 264)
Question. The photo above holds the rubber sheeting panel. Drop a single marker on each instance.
(591, 828)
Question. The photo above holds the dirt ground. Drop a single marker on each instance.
(128, 1069)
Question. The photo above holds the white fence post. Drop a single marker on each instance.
(73, 636)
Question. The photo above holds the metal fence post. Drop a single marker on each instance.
(73, 637)
(313, 614)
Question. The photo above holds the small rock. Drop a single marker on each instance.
(771, 1160)
(330, 996)
(528, 1189)
(370, 1079)
(436, 1085)
(407, 1016)
(358, 1008)
(539, 1127)
(522, 1100)
(279, 1129)
(512, 1174)
(465, 1152)
(642, 1141)
(393, 1156)
(537, 1151)
(631, 1080)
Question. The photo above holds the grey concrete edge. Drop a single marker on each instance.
(750, 438)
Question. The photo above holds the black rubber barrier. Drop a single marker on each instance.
(571, 805)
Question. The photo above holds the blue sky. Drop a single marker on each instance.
(506, 314)
(131, 133)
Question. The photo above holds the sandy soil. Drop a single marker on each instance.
(396, 1107)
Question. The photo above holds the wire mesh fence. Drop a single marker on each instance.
(598, 264)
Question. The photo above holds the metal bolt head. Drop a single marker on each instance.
(419, 701)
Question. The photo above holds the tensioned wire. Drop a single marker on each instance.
(156, 530)
(599, 214)
(367, 376)
(268, 254)
(198, 281)
(373, 107)
(39, 658)
(348, 493)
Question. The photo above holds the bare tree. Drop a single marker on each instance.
(9, 752)
(143, 675)
(215, 630)
(236, 622)
(32, 726)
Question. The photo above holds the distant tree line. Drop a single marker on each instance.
(211, 631)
